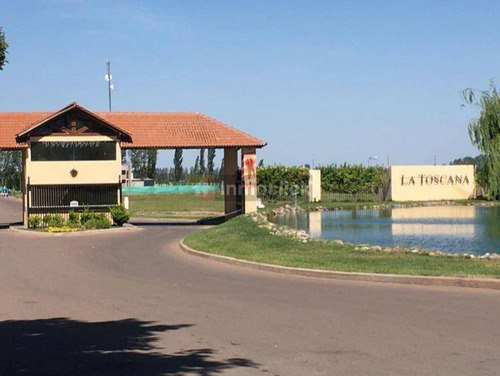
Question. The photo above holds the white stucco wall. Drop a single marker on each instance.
(314, 185)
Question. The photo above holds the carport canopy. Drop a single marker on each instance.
(140, 130)
(152, 130)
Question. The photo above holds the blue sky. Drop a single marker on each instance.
(333, 81)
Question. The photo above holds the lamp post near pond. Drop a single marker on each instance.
(374, 158)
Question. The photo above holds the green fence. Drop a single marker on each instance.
(172, 189)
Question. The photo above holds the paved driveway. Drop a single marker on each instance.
(10, 210)
(132, 304)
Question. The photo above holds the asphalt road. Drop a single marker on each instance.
(131, 303)
(10, 210)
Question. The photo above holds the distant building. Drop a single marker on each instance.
(128, 179)
(127, 174)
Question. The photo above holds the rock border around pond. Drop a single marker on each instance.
(291, 209)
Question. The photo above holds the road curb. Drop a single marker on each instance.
(480, 283)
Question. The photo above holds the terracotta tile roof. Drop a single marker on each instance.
(12, 123)
(147, 130)
(178, 130)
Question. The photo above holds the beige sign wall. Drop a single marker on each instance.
(424, 183)
(314, 185)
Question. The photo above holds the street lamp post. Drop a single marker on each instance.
(374, 158)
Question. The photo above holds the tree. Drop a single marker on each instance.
(11, 167)
(464, 161)
(261, 163)
(3, 49)
(202, 162)
(139, 163)
(163, 175)
(221, 175)
(480, 163)
(210, 163)
(484, 132)
(178, 165)
(196, 169)
(144, 163)
(152, 156)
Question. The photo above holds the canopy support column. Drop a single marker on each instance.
(230, 180)
(249, 179)
(24, 188)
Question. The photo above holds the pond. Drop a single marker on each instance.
(470, 229)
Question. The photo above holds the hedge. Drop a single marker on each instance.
(353, 179)
(283, 182)
(279, 182)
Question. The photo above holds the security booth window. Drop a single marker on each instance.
(73, 151)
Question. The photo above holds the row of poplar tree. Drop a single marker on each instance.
(144, 166)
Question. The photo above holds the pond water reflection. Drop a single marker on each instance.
(471, 229)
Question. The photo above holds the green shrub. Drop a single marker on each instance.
(46, 219)
(92, 220)
(100, 221)
(100, 217)
(85, 216)
(74, 218)
(119, 214)
(56, 220)
(35, 221)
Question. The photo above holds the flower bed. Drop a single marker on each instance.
(85, 220)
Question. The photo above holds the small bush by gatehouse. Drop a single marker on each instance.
(86, 220)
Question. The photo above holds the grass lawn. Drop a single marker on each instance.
(176, 205)
(242, 238)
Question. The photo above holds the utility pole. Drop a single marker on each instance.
(110, 84)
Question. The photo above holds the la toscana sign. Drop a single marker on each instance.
(424, 183)
(424, 179)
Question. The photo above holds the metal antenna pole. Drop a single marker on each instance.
(108, 64)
